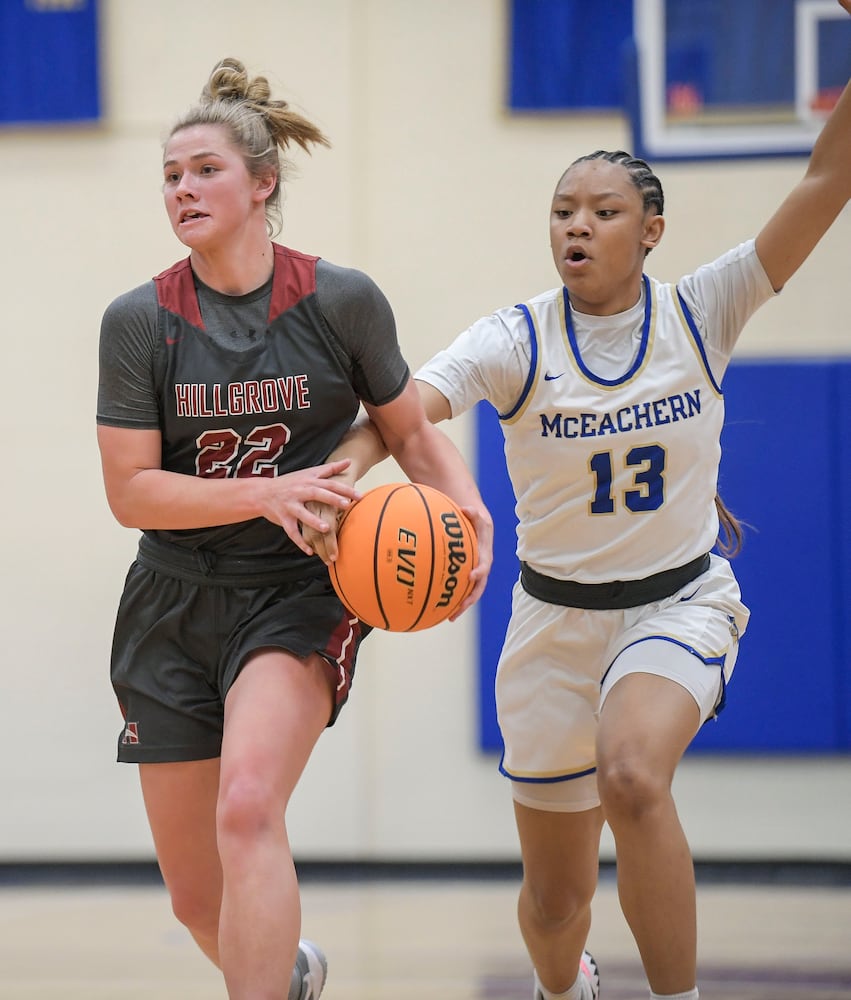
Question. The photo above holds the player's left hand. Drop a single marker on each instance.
(483, 526)
(323, 543)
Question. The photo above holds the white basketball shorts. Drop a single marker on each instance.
(558, 664)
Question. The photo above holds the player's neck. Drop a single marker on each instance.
(235, 271)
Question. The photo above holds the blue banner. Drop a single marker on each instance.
(566, 54)
(49, 61)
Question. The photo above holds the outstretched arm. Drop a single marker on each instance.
(809, 210)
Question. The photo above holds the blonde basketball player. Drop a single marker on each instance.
(224, 382)
(624, 627)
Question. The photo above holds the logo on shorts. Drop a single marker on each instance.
(131, 734)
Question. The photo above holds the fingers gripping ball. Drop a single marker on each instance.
(405, 552)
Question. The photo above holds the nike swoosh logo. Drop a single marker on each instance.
(552, 378)
(171, 341)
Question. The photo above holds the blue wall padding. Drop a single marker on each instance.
(842, 542)
(786, 471)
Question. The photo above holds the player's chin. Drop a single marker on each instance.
(192, 236)
(184, 238)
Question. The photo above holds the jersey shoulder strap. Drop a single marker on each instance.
(176, 293)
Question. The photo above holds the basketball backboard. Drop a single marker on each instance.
(726, 78)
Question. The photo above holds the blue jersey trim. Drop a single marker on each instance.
(530, 378)
(543, 781)
(698, 340)
(709, 661)
(642, 350)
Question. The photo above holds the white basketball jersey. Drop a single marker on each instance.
(612, 435)
(632, 461)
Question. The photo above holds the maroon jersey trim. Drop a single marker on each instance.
(176, 293)
(295, 277)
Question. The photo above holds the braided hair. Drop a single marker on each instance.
(646, 182)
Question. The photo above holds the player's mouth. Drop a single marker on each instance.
(575, 256)
(190, 215)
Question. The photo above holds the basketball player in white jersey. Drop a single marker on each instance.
(625, 624)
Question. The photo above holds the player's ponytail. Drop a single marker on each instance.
(260, 126)
(730, 533)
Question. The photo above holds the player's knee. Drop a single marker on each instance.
(556, 902)
(196, 908)
(247, 810)
(629, 788)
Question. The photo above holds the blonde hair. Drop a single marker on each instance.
(260, 127)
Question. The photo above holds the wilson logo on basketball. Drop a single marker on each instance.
(457, 549)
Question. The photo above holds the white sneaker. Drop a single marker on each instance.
(310, 972)
(589, 974)
(588, 968)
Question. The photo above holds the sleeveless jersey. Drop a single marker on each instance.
(631, 462)
(277, 407)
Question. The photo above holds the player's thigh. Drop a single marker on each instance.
(646, 723)
(180, 801)
(667, 680)
(275, 711)
(560, 854)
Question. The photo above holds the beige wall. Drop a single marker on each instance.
(437, 192)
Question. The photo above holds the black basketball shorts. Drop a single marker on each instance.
(180, 644)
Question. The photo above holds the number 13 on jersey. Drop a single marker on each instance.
(647, 491)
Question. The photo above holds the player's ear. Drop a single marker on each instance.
(265, 184)
(654, 227)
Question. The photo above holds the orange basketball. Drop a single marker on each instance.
(405, 556)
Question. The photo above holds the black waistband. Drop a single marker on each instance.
(614, 595)
(203, 566)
